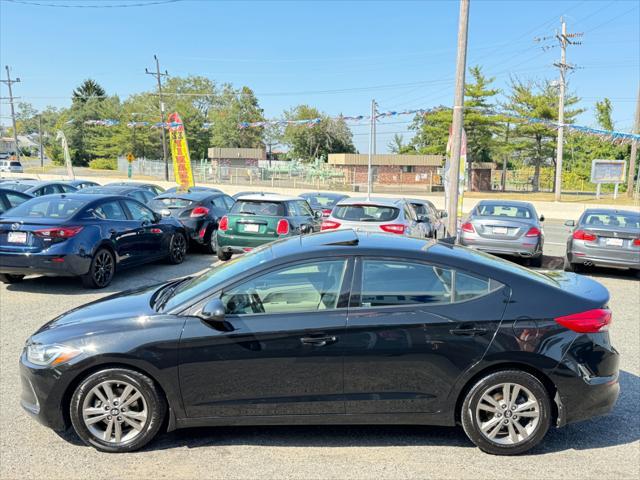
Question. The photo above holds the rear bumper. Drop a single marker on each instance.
(517, 248)
(238, 243)
(603, 257)
(194, 229)
(38, 264)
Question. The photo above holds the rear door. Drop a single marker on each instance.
(413, 328)
(123, 231)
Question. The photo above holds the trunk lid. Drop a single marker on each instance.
(589, 291)
(18, 235)
(501, 228)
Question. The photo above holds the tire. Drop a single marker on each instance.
(10, 278)
(211, 246)
(177, 249)
(521, 432)
(113, 429)
(536, 262)
(224, 256)
(101, 270)
(567, 266)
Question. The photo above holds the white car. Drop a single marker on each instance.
(12, 166)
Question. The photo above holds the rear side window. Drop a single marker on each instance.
(420, 208)
(67, 188)
(110, 211)
(365, 213)
(139, 212)
(48, 207)
(228, 202)
(249, 207)
(15, 200)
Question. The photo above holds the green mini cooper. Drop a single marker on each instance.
(261, 218)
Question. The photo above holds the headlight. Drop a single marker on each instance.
(50, 354)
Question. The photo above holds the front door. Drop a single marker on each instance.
(413, 329)
(122, 231)
(280, 349)
(149, 241)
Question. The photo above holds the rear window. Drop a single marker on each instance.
(48, 207)
(320, 201)
(611, 220)
(365, 213)
(18, 187)
(170, 203)
(250, 207)
(15, 164)
(493, 210)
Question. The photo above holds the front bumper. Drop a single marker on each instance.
(41, 264)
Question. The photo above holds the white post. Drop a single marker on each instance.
(597, 191)
(615, 191)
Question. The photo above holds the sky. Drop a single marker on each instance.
(334, 55)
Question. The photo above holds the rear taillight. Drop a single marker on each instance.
(224, 224)
(283, 227)
(468, 227)
(326, 212)
(636, 242)
(199, 212)
(329, 225)
(591, 321)
(582, 235)
(393, 228)
(58, 233)
(533, 232)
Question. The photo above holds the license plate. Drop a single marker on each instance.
(17, 237)
(615, 242)
(500, 230)
(252, 227)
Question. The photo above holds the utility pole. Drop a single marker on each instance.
(456, 128)
(40, 137)
(10, 82)
(372, 149)
(159, 76)
(563, 66)
(634, 150)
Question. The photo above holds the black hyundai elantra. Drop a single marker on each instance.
(332, 328)
(85, 235)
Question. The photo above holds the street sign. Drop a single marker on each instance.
(130, 157)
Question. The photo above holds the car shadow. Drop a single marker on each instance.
(616, 428)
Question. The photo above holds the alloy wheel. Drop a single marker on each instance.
(115, 411)
(103, 268)
(507, 414)
(178, 248)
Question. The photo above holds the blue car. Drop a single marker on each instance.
(89, 236)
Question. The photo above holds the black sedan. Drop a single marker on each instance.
(323, 201)
(198, 210)
(155, 189)
(11, 198)
(89, 236)
(197, 188)
(436, 335)
(37, 188)
(141, 194)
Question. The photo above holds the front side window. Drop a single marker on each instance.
(307, 287)
(303, 209)
(139, 212)
(110, 211)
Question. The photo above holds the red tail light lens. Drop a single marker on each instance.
(582, 235)
(59, 233)
(199, 212)
(393, 228)
(468, 227)
(283, 227)
(533, 232)
(636, 242)
(591, 321)
(224, 224)
(329, 225)
(326, 212)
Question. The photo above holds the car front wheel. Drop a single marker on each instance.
(506, 412)
(177, 249)
(117, 410)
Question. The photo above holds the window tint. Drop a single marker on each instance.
(299, 288)
(48, 207)
(139, 212)
(365, 213)
(110, 211)
(494, 210)
(613, 219)
(248, 207)
(228, 201)
(15, 200)
(303, 208)
(218, 202)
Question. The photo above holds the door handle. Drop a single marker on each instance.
(318, 341)
(112, 231)
(468, 332)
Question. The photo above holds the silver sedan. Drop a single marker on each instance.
(606, 238)
(506, 228)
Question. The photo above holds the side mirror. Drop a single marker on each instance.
(442, 214)
(542, 218)
(318, 214)
(213, 311)
(570, 223)
(156, 217)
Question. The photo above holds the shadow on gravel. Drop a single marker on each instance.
(620, 427)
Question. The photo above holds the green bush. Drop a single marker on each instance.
(103, 164)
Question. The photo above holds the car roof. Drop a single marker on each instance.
(507, 203)
(610, 211)
(269, 197)
(380, 201)
(131, 184)
(196, 195)
(110, 189)
(324, 194)
(419, 200)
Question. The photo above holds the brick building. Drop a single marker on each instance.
(388, 169)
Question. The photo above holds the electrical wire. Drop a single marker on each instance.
(119, 5)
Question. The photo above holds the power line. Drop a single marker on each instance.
(119, 5)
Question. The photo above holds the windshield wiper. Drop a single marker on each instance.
(166, 292)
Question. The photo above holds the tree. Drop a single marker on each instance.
(310, 142)
(603, 114)
(535, 140)
(396, 144)
(234, 107)
(88, 90)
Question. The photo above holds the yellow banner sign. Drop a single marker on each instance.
(180, 153)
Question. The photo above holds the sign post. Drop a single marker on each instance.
(130, 159)
(608, 171)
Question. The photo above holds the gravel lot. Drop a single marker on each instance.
(606, 447)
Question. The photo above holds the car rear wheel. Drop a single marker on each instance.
(506, 412)
(10, 278)
(212, 245)
(117, 410)
(177, 249)
(101, 271)
(536, 261)
(223, 256)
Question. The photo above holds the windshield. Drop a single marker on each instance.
(48, 207)
(365, 213)
(208, 281)
(257, 207)
(496, 210)
(321, 201)
(605, 219)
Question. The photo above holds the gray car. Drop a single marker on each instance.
(431, 216)
(505, 228)
(390, 215)
(606, 238)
